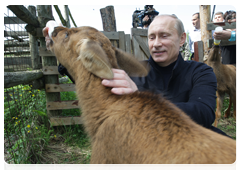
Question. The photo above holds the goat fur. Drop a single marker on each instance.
(226, 82)
(137, 128)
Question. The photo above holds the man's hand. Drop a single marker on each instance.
(223, 35)
(146, 18)
(121, 83)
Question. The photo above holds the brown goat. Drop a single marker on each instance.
(226, 82)
(137, 128)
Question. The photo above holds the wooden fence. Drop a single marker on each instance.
(118, 39)
(36, 52)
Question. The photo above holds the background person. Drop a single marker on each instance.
(218, 17)
(228, 53)
(195, 34)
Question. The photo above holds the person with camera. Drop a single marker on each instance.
(145, 21)
(190, 85)
(148, 15)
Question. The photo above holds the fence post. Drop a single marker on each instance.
(205, 17)
(33, 44)
(108, 19)
(44, 15)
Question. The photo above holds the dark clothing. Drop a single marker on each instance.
(63, 71)
(192, 56)
(190, 85)
(228, 54)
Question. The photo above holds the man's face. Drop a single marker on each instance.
(164, 41)
(196, 21)
(218, 18)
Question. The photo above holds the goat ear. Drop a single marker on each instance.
(130, 64)
(94, 58)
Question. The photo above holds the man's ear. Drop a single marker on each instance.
(182, 39)
(94, 58)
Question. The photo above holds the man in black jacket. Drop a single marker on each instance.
(189, 85)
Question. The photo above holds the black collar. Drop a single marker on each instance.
(175, 66)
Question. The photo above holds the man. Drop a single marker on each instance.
(189, 85)
(147, 19)
(194, 35)
(218, 17)
(228, 53)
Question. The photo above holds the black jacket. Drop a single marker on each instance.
(189, 85)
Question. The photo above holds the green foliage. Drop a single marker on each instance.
(26, 136)
(227, 125)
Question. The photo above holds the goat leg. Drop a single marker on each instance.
(227, 111)
(219, 107)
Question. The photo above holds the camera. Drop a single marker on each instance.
(138, 15)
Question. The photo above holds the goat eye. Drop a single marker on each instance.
(66, 34)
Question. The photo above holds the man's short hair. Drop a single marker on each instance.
(178, 25)
(219, 13)
(197, 14)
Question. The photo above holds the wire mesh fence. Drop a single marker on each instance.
(24, 107)
(16, 44)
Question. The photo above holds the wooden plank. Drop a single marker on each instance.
(225, 25)
(122, 40)
(111, 35)
(60, 105)
(15, 44)
(44, 52)
(23, 13)
(222, 43)
(16, 37)
(200, 51)
(15, 78)
(61, 121)
(137, 51)
(128, 43)
(196, 58)
(143, 46)
(17, 53)
(15, 33)
(39, 32)
(13, 20)
(140, 32)
(59, 87)
(50, 70)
